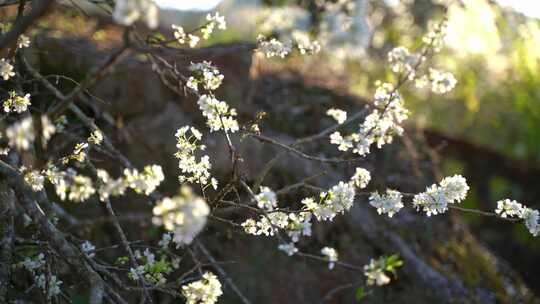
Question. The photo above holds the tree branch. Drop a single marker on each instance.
(38, 9)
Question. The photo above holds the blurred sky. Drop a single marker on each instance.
(188, 4)
(530, 8)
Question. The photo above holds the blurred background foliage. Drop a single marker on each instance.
(494, 53)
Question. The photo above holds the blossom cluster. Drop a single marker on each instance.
(21, 134)
(403, 62)
(78, 188)
(35, 179)
(339, 115)
(80, 150)
(436, 198)
(185, 215)
(269, 224)
(146, 181)
(109, 186)
(336, 200)
(272, 47)
(441, 82)
(266, 199)
(379, 126)
(206, 74)
(70, 185)
(49, 284)
(294, 224)
(212, 21)
(435, 36)
(361, 178)
(151, 269)
(219, 116)
(193, 170)
(16, 103)
(181, 36)
(207, 290)
(389, 203)
(510, 208)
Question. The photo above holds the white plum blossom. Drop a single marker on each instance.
(49, 284)
(441, 82)
(218, 114)
(193, 170)
(179, 33)
(266, 199)
(206, 74)
(205, 291)
(48, 128)
(146, 181)
(436, 198)
(126, 12)
(69, 185)
(509, 208)
(389, 203)
(21, 134)
(213, 21)
(88, 249)
(299, 224)
(304, 44)
(361, 178)
(23, 41)
(32, 264)
(455, 188)
(34, 179)
(331, 255)
(16, 103)
(267, 224)
(193, 40)
(435, 37)
(530, 218)
(337, 200)
(192, 83)
(341, 197)
(273, 47)
(6, 69)
(166, 239)
(96, 137)
(80, 189)
(375, 272)
(289, 248)
(185, 215)
(402, 61)
(151, 270)
(344, 144)
(110, 186)
(339, 115)
(379, 126)
(250, 227)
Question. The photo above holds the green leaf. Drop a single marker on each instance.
(360, 294)
(122, 260)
